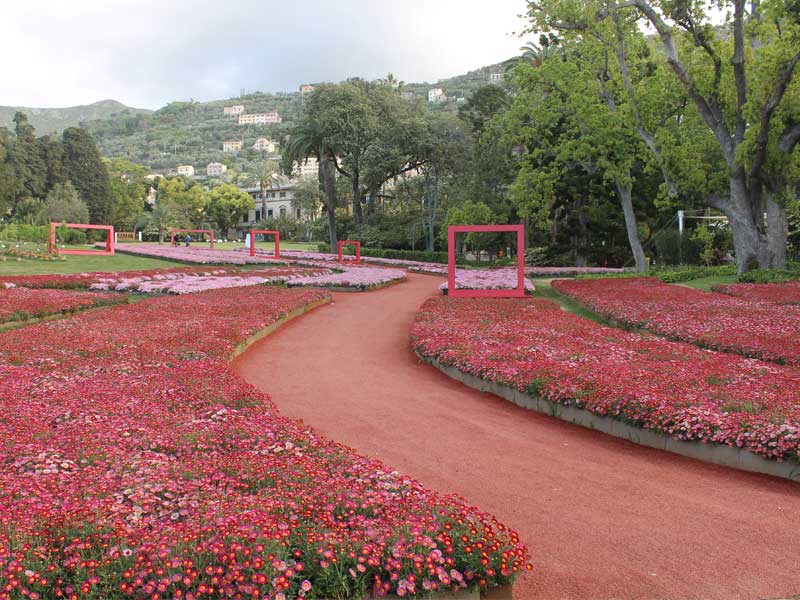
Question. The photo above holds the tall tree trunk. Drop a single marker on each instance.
(433, 201)
(329, 187)
(754, 247)
(263, 204)
(357, 213)
(624, 194)
(777, 232)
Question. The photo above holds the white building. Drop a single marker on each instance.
(496, 77)
(260, 118)
(306, 89)
(232, 145)
(436, 95)
(185, 170)
(234, 110)
(407, 95)
(278, 202)
(264, 144)
(307, 168)
(215, 169)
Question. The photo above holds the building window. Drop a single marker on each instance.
(258, 215)
(283, 211)
(283, 194)
(298, 213)
(269, 212)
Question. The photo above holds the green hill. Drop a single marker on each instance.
(192, 133)
(55, 120)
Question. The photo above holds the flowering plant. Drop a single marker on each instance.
(750, 327)
(138, 464)
(674, 388)
(488, 279)
(20, 304)
(787, 292)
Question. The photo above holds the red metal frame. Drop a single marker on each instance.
(210, 233)
(517, 292)
(355, 243)
(109, 229)
(277, 235)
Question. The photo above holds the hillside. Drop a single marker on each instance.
(55, 120)
(192, 133)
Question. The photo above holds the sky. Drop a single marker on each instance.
(146, 53)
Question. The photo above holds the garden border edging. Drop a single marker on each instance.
(718, 454)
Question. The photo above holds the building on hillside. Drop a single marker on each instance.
(153, 176)
(185, 170)
(306, 89)
(496, 77)
(264, 144)
(232, 145)
(215, 169)
(260, 118)
(276, 203)
(436, 95)
(408, 95)
(233, 111)
(307, 168)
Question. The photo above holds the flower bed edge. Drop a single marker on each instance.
(719, 454)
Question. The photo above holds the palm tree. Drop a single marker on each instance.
(159, 219)
(307, 139)
(264, 174)
(535, 55)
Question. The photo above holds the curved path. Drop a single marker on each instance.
(603, 518)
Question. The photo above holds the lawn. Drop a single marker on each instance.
(78, 264)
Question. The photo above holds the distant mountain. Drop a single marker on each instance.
(55, 120)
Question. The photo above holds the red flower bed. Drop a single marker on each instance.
(752, 328)
(135, 463)
(678, 389)
(20, 304)
(780, 293)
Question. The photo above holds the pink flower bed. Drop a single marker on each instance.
(20, 304)
(168, 282)
(488, 279)
(779, 293)
(86, 280)
(752, 328)
(138, 464)
(351, 277)
(197, 254)
(671, 387)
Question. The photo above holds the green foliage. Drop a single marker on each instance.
(88, 174)
(20, 232)
(227, 204)
(769, 276)
(64, 205)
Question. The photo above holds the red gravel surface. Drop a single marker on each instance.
(603, 518)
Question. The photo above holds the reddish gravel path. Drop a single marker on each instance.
(603, 518)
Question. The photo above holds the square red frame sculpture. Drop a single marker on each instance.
(355, 243)
(517, 292)
(109, 229)
(173, 231)
(277, 235)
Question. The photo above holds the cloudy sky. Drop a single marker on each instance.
(147, 52)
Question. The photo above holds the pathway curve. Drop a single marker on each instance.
(603, 518)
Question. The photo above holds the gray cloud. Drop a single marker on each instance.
(147, 52)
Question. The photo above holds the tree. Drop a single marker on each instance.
(128, 192)
(482, 105)
(311, 138)
(64, 205)
(26, 160)
(264, 175)
(187, 201)
(307, 198)
(738, 80)
(9, 184)
(88, 174)
(226, 205)
(158, 220)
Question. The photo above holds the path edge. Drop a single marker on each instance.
(719, 454)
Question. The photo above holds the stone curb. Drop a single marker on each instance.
(718, 454)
